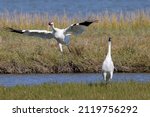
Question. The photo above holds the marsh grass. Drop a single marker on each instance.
(130, 34)
(125, 90)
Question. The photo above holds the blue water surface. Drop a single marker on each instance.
(72, 7)
(35, 79)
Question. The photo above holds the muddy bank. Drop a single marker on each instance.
(68, 68)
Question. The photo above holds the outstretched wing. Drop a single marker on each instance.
(36, 33)
(78, 28)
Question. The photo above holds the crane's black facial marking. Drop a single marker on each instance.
(50, 23)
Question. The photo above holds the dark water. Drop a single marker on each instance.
(72, 7)
(34, 79)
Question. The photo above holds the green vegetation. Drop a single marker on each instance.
(130, 44)
(124, 90)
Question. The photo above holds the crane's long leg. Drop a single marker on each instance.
(111, 75)
(104, 75)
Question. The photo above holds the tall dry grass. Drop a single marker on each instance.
(130, 34)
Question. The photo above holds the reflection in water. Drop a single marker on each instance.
(32, 79)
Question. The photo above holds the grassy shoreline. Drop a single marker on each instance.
(130, 44)
(97, 91)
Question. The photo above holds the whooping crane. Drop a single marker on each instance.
(108, 66)
(62, 36)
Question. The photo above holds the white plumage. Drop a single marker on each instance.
(108, 66)
(61, 35)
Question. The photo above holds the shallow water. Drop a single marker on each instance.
(34, 79)
(72, 7)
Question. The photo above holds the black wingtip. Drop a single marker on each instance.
(109, 39)
(88, 22)
(14, 30)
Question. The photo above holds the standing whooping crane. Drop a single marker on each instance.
(108, 66)
(62, 36)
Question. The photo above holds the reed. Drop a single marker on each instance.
(130, 34)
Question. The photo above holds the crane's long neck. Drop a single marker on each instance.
(53, 27)
(109, 49)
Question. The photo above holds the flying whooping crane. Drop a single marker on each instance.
(62, 36)
(108, 66)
